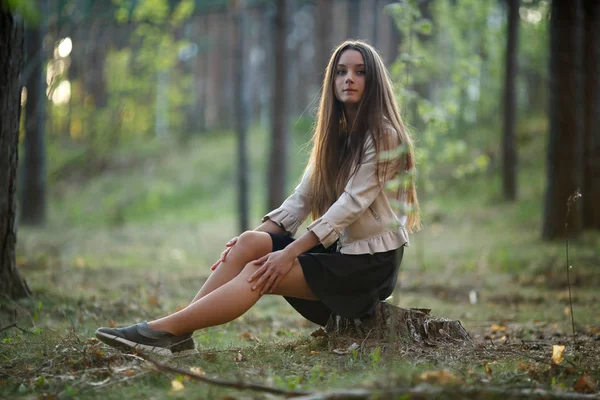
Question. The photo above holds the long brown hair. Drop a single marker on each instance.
(337, 144)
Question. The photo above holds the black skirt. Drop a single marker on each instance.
(347, 285)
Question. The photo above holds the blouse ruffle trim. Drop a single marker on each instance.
(325, 232)
(387, 241)
(285, 219)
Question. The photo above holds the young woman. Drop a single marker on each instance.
(347, 260)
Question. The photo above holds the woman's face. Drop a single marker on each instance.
(350, 78)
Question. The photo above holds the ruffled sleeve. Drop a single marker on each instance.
(294, 210)
(285, 219)
(324, 231)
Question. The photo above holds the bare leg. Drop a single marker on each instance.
(251, 245)
(229, 301)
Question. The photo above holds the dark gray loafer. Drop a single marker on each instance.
(142, 337)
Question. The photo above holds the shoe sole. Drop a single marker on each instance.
(127, 345)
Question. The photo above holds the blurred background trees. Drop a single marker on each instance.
(478, 81)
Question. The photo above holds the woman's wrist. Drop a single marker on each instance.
(303, 244)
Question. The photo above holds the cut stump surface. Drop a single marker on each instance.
(391, 322)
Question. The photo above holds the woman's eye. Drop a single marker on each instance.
(360, 72)
(340, 72)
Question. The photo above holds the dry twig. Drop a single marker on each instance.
(426, 390)
(572, 199)
(219, 382)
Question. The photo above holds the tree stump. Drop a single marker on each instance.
(391, 322)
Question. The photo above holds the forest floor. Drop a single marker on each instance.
(134, 240)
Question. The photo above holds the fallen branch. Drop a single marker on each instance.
(428, 390)
(219, 382)
(14, 325)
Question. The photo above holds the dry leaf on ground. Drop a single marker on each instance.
(176, 386)
(341, 352)
(250, 337)
(239, 357)
(442, 377)
(557, 353)
(319, 333)
(585, 385)
(198, 371)
(487, 369)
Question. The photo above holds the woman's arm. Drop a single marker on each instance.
(270, 227)
(362, 189)
(294, 210)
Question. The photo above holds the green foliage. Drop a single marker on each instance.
(450, 74)
(143, 79)
(27, 8)
(375, 357)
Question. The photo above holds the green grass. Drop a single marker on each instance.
(133, 240)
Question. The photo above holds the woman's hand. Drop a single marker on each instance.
(223, 257)
(274, 266)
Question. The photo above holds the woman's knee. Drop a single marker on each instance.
(258, 243)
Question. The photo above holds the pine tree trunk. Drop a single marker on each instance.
(33, 182)
(11, 64)
(240, 110)
(509, 145)
(395, 38)
(353, 28)
(399, 324)
(323, 30)
(591, 118)
(279, 130)
(565, 144)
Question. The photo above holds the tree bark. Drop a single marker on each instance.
(279, 132)
(33, 182)
(323, 46)
(11, 64)
(509, 145)
(353, 28)
(565, 144)
(376, 20)
(395, 38)
(399, 324)
(225, 86)
(240, 108)
(591, 117)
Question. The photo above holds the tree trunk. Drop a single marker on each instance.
(591, 117)
(323, 46)
(353, 28)
(225, 86)
(376, 20)
(509, 145)
(11, 64)
(94, 78)
(565, 144)
(279, 131)
(240, 108)
(395, 38)
(399, 324)
(33, 182)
